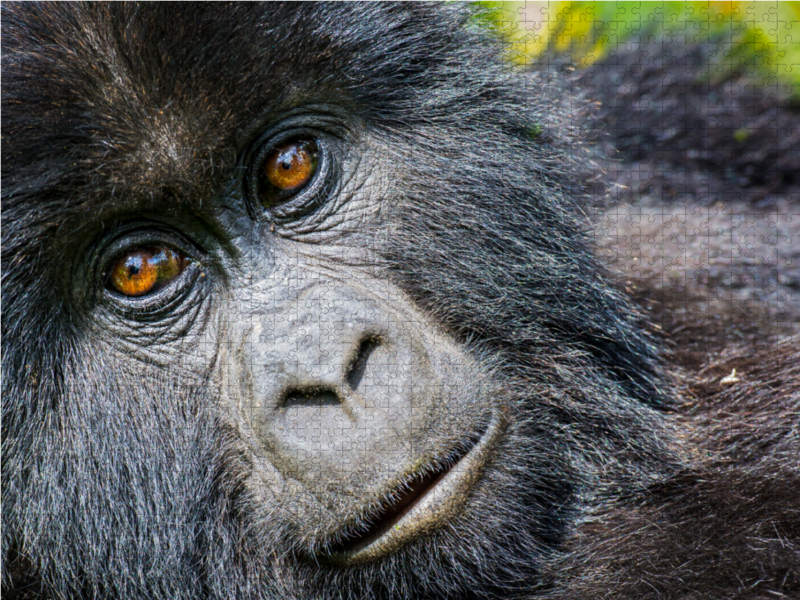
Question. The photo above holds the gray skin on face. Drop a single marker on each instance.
(348, 396)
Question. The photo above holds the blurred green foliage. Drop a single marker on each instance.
(760, 40)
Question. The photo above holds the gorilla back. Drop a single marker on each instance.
(297, 305)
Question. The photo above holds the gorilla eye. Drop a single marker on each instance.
(286, 170)
(145, 270)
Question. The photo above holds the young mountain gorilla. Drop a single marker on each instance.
(297, 304)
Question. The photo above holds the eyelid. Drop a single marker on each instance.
(302, 201)
(157, 303)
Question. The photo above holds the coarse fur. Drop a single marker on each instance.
(129, 467)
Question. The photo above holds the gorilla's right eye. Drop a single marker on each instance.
(286, 170)
(146, 270)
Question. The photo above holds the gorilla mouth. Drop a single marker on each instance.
(421, 504)
(406, 499)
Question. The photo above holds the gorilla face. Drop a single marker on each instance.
(296, 306)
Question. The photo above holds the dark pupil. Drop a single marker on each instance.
(134, 265)
(286, 165)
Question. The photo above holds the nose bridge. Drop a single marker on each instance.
(313, 340)
(314, 346)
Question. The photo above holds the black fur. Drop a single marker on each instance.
(123, 477)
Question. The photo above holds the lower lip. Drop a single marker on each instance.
(431, 501)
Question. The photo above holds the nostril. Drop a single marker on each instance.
(356, 371)
(310, 398)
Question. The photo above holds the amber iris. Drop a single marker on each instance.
(288, 168)
(146, 270)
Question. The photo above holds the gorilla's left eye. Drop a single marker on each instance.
(286, 170)
(146, 270)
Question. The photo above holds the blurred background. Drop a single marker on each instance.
(693, 111)
(760, 37)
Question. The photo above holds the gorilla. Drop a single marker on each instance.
(300, 302)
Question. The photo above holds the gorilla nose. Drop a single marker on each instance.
(332, 381)
(330, 374)
(335, 389)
